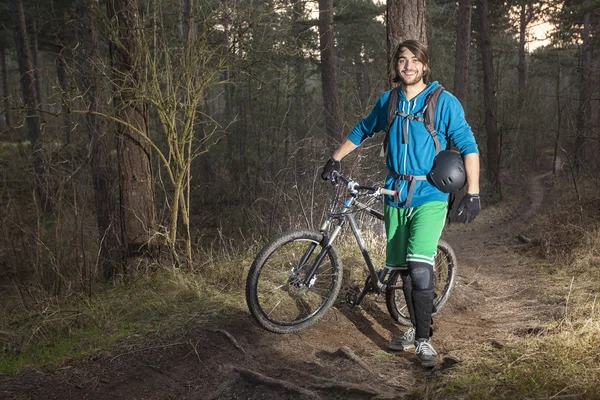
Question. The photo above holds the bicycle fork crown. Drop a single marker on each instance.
(296, 279)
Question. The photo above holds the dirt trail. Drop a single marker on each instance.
(342, 357)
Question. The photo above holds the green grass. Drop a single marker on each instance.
(561, 361)
(54, 331)
(564, 362)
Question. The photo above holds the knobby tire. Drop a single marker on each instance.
(275, 293)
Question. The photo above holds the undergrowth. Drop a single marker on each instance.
(561, 360)
(38, 330)
(49, 331)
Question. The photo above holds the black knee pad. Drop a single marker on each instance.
(421, 274)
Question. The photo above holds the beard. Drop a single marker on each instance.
(417, 77)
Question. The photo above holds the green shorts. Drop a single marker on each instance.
(413, 233)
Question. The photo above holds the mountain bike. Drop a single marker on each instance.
(296, 278)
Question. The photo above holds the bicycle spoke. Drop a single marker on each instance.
(283, 295)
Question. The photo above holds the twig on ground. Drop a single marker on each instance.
(232, 340)
(569, 296)
(195, 347)
(524, 238)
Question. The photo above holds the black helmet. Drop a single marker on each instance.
(448, 172)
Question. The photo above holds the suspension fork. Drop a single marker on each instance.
(327, 240)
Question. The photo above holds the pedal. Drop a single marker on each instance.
(351, 297)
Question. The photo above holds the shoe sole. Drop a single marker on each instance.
(429, 365)
(400, 348)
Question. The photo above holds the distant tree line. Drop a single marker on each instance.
(137, 130)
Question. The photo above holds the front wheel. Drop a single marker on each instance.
(445, 273)
(278, 294)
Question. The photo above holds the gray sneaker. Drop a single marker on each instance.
(404, 342)
(426, 354)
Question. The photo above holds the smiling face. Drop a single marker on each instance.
(410, 68)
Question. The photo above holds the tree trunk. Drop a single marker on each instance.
(30, 98)
(463, 44)
(555, 158)
(62, 82)
(489, 97)
(406, 19)
(583, 109)
(103, 174)
(229, 89)
(34, 53)
(333, 114)
(188, 26)
(461, 81)
(524, 19)
(4, 72)
(189, 40)
(299, 76)
(138, 216)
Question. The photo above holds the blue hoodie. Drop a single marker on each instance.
(416, 156)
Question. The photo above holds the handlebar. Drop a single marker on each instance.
(354, 187)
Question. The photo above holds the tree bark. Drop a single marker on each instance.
(34, 54)
(137, 208)
(299, 75)
(91, 71)
(406, 19)
(30, 98)
(62, 82)
(489, 97)
(524, 19)
(7, 119)
(229, 88)
(463, 44)
(188, 26)
(583, 108)
(333, 114)
(461, 81)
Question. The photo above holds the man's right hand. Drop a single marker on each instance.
(331, 166)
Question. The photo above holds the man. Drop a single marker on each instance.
(414, 219)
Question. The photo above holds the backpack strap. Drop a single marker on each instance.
(430, 108)
(427, 116)
(392, 108)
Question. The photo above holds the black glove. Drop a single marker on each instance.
(331, 166)
(470, 205)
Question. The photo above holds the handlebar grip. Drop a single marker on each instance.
(337, 175)
(369, 188)
(388, 192)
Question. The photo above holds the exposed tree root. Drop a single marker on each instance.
(232, 340)
(327, 384)
(258, 378)
(354, 389)
(346, 352)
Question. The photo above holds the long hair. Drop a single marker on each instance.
(419, 50)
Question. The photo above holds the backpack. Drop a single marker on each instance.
(427, 116)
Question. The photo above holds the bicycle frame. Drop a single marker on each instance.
(347, 215)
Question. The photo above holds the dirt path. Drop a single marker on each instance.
(342, 357)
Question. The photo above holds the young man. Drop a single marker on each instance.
(415, 217)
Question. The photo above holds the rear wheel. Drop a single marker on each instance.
(445, 273)
(277, 294)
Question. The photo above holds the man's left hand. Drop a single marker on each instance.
(470, 205)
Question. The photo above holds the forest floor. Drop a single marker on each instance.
(496, 300)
